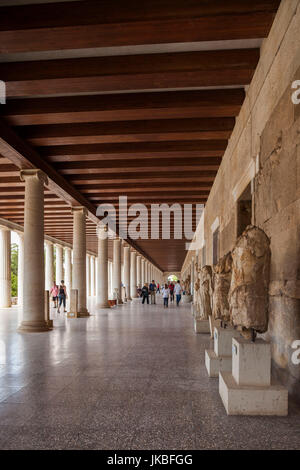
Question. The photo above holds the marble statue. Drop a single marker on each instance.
(248, 295)
(221, 282)
(205, 292)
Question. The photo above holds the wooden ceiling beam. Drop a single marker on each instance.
(153, 71)
(124, 106)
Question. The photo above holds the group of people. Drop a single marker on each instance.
(169, 291)
(59, 295)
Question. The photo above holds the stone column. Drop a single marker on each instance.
(102, 269)
(133, 291)
(20, 269)
(138, 271)
(68, 274)
(93, 276)
(59, 264)
(117, 269)
(127, 271)
(79, 258)
(34, 269)
(5, 267)
(88, 275)
(49, 267)
(149, 273)
(142, 271)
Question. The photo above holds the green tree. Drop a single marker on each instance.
(14, 270)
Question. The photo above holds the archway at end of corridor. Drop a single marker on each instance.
(172, 278)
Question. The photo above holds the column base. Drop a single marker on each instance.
(33, 327)
(252, 400)
(103, 305)
(83, 313)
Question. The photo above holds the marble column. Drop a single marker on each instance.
(49, 266)
(133, 290)
(93, 276)
(102, 268)
(34, 269)
(127, 271)
(142, 272)
(88, 275)
(5, 267)
(20, 268)
(117, 269)
(79, 258)
(59, 276)
(138, 271)
(68, 274)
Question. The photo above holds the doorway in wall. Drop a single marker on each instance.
(172, 278)
(244, 210)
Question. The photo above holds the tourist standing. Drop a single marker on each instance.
(54, 294)
(166, 293)
(145, 294)
(152, 289)
(177, 292)
(62, 295)
(171, 289)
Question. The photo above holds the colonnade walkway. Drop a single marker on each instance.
(132, 377)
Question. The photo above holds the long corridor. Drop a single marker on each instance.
(131, 377)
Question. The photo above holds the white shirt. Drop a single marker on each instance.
(177, 289)
(166, 293)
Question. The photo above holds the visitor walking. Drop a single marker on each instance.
(54, 294)
(171, 288)
(62, 295)
(158, 288)
(152, 289)
(177, 292)
(145, 294)
(166, 293)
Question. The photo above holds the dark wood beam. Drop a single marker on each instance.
(64, 26)
(152, 71)
(120, 107)
(128, 131)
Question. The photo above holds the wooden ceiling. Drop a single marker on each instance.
(123, 97)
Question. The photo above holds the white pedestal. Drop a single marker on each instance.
(220, 359)
(248, 389)
(201, 326)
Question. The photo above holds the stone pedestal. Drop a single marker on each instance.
(220, 358)
(201, 326)
(73, 313)
(248, 390)
(187, 298)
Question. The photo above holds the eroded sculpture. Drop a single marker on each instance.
(248, 295)
(205, 292)
(221, 282)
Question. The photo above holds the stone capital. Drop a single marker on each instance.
(79, 209)
(102, 231)
(34, 173)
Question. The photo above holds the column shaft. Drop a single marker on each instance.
(5, 267)
(117, 270)
(138, 271)
(49, 267)
(59, 272)
(102, 270)
(20, 268)
(34, 272)
(127, 271)
(79, 258)
(68, 274)
(133, 275)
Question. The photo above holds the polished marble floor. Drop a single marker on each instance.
(132, 377)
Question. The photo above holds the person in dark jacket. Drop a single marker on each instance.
(145, 294)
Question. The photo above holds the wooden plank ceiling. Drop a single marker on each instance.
(123, 97)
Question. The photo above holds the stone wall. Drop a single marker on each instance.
(264, 151)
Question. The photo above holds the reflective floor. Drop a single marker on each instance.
(132, 377)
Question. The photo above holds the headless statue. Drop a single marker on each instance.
(248, 295)
(205, 292)
(221, 282)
